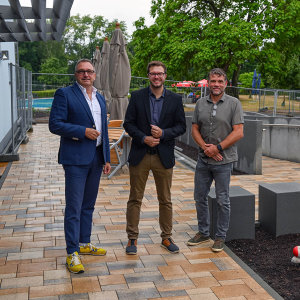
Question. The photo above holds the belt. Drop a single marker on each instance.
(152, 151)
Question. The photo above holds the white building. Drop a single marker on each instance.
(18, 24)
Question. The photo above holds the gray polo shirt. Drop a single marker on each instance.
(216, 124)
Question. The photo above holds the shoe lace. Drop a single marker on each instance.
(132, 242)
(75, 260)
(171, 240)
(92, 247)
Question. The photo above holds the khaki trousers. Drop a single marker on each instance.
(163, 181)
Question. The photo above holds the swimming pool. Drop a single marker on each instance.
(42, 103)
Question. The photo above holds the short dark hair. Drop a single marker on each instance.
(83, 60)
(156, 63)
(217, 71)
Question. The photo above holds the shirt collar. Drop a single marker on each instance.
(222, 98)
(162, 96)
(83, 89)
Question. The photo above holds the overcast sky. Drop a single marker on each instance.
(123, 10)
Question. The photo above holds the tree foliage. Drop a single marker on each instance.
(81, 36)
(279, 58)
(54, 66)
(245, 80)
(192, 36)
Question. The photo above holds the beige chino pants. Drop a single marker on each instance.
(163, 181)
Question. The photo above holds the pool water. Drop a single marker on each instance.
(42, 103)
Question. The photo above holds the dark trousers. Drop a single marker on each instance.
(81, 189)
(163, 181)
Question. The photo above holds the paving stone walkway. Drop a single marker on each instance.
(32, 246)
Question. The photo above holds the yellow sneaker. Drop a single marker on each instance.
(90, 249)
(74, 264)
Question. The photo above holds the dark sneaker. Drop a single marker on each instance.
(131, 248)
(198, 239)
(169, 245)
(218, 245)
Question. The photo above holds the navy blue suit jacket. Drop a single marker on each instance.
(138, 120)
(70, 116)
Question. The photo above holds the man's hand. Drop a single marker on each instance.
(91, 133)
(218, 157)
(156, 131)
(106, 168)
(212, 151)
(151, 141)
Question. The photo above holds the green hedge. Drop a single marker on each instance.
(43, 94)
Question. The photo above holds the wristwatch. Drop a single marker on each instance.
(219, 148)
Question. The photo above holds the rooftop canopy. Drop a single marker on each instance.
(36, 23)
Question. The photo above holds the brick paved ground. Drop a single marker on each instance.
(32, 247)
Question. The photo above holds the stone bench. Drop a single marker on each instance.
(242, 217)
(279, 207)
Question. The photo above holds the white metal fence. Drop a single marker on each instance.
(267, 101)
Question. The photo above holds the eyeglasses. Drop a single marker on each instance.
(81, 72)
(214, 112)
(160, 74)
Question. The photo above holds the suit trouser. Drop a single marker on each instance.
(81, 189)
(163, 181)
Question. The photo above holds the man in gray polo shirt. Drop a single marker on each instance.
(217, 126)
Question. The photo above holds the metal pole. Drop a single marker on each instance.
(275, 103)
(24, 103)
(30, 97)
(293, 101)
(12, 108)
(289, 102)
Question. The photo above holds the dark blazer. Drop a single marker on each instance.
(69, 117)
(138, 120)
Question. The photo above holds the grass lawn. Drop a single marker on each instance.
(255, 104)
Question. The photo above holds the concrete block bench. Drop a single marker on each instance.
(242, 217)
(279, 207)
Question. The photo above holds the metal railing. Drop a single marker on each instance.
(267, 101)
(21, 107)
(51, 81)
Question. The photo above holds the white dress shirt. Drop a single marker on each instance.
(95, 109)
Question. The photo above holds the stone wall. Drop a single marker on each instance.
(249, 148)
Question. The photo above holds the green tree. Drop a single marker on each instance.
(198, 35)
(83, 34)
(245, 80)
(279, 58)
(54, 65)
(192, 36)
(33, 54)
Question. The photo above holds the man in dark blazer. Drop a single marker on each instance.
(78, 116)
(154, 118)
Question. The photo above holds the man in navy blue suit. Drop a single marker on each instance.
(154, 118)
(78, 116)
